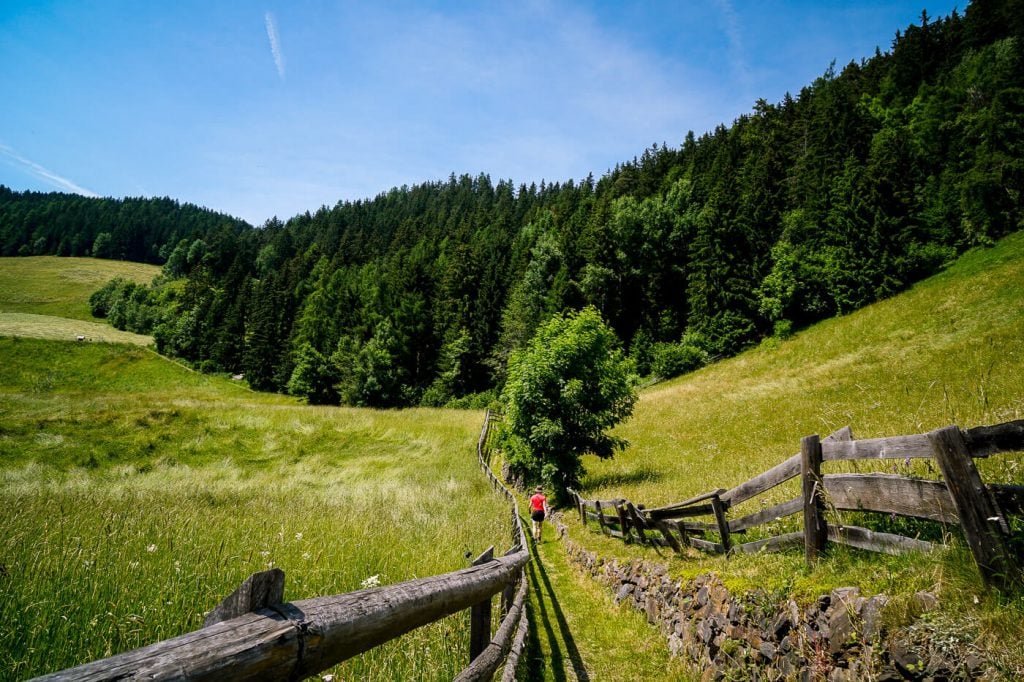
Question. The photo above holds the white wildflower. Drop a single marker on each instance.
(306, 556)
(298, 536)
(372, 581)
(151, 548)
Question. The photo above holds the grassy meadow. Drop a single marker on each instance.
(139, 494)
(948, 351)
(60, 287)
(46, 297)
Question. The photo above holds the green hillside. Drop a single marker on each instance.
(950, 350)
(60, 287)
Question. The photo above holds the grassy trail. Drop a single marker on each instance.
(578, 633)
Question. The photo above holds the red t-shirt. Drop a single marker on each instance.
(537, 502)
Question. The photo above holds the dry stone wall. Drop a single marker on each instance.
(758, 636)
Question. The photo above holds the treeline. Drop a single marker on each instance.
(870, 178)
(139, 230)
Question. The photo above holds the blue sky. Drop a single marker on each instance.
(262, 109)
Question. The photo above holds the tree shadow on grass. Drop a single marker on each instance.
(550, 616)
(617, 478)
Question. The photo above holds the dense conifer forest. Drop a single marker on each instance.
(870, 178)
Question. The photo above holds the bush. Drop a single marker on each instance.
(673, 359)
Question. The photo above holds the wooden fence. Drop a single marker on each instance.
(960, 498)
(253, 636)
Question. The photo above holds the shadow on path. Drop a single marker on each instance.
(549, 616)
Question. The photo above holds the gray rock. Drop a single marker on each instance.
(704, 631)
(926, 601)
(781, 626)
(653, 608)
(623, 592)
(841, 631)
(907, 662)
(871, 613)
(675, 645)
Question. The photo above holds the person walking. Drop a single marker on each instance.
(538, 511)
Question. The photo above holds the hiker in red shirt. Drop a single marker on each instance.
(538, 510)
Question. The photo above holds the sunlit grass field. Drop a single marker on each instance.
(60, 287)
(137, 495)
(949, 351)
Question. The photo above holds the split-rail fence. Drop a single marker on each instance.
(961, 498)
(251, 635)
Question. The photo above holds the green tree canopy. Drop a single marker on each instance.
(565, 390)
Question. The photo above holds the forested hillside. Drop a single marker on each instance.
(140, 230)
(870, 178)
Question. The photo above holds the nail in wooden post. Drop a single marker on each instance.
(815, 528)
(979, 515)
(723, 526)
(480, 615)
(256, 592)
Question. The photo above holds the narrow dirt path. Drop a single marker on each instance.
(578, 633)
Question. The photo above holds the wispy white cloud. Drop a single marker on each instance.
(49, 176)
(732, 32)
(275, 43)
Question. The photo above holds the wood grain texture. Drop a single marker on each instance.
(258, 591)
(891, 494)
(862, 538)
(896, 447)
(984, 525)
(815, 528)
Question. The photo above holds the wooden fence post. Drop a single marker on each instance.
(669, 538)
(623, 523)
(508, 595)
(582, 504)
(480, 615)
(637, 521)
(600, 516)
(815, 528)
(723, 526)
(982, 521)
(256, 592)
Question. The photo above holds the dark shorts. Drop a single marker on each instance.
(537, 515)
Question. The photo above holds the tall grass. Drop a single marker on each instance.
(950, 350)
(139, 494)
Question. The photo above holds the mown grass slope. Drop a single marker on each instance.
(60, 287)
(138, 494)
(950, 350)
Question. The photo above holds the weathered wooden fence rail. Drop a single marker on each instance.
(252, 636)
(961, 498)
